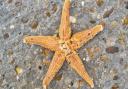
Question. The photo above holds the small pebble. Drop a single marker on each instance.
(34, 24)
(12, 26)
(9, 1)
(92, 21)
(17, 77)
(125, 20)
(84, 59)
(6, 35)
(87, 59)
(99, 16)
(24, 20)
(58, 77)
(92, 52)
(115, 77)
(71, 83)
(48, 14)
(72, 19)
(0, 61)
(115, 86)
(108, 13)
(18, 3)
(112, 49)
(18, 70)
(110, 41)
(82, 3)
(39, 67)
(114, 24)
(121, 61)
(121, 38)
(10, 52)
(54, 9)
(126, 6)
(113, 71)
(11, 61)
(100, 2)
(103, 57)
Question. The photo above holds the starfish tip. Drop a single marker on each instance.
(44, 87)
(92, 86)
(24, 40)
(91, 83)
(100, 27)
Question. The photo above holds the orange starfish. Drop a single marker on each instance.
(65, 47)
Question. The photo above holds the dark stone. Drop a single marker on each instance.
(104, 39)
(54, 9)
(105, 66)
(19, 33)
(48, 14)
(7, 85)
(121, 61)
(92, 21)
(24, 20)
(9, 1)
(58, 77)
(0, 61)
(100, 2)
(116, 77)
(1, 81)
(115, 86)
(18, 3)
(108, 13)
(71, 83)
(6, 35)
(40, 67)
(126, 5)
(34, 24)
(112, 49)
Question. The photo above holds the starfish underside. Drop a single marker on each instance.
(65, 47)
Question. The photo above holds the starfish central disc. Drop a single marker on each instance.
(65, 46)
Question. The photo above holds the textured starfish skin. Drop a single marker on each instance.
(65, 46)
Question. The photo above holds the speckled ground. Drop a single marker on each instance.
(105, 57)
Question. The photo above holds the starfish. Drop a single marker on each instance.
(65, 47)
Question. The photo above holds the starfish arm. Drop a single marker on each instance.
(49, 42)
(76, 63)
(80, 38)
(54, 67)
(65, 29)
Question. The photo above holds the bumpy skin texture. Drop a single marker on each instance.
(65, 46)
